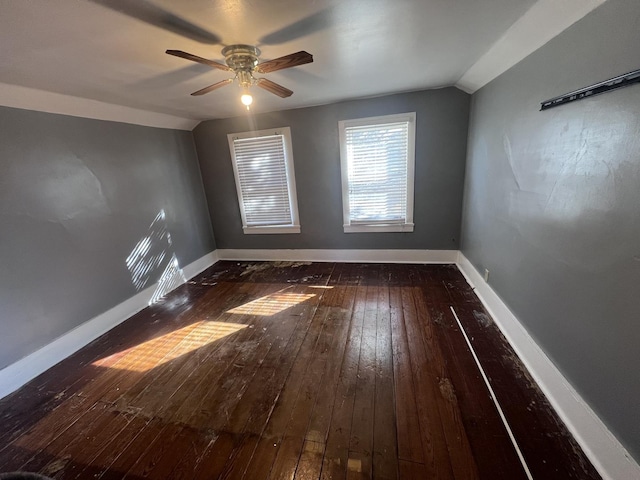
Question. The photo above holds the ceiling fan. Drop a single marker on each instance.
(243, 61)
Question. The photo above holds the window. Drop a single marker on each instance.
(263, 167)
(377, 157)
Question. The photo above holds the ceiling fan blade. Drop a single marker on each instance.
(313, 23)
(215, 86)
(195, 58)
(273, 87)
(288, 61)
(148, 12)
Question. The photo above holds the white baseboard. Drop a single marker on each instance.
(347, 256)
(200, 265)
(17, 374)
(606, 453)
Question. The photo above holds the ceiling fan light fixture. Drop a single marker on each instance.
(246, 99)
(245, 78)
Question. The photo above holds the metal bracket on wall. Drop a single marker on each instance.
(596, 89)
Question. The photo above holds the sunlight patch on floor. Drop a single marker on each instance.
(160, 350)
(271, 304)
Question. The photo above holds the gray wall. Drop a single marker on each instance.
(441, 135)
(76, 197)
(552, 207)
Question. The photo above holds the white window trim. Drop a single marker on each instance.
(266, 229)
(407, 225)
(294, 227)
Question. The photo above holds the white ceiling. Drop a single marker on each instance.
(112, 51)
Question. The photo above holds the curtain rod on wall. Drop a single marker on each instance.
(595, 89)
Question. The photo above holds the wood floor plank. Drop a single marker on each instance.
(240, 456)
(479, 414)
(334, 465)
(360, 461)
(132, 332)
(385, 445)
(216, 362)
(139, 364)
(91, 444)
(112, 447)
(63, 444)
(463, 462)
(252, 420)
(47, 430)
(409, 437)
(66, 374)
(215, 457)
(262, 458)
(258, 422)
(160, 458)
(23, 409)
(231, 356)
(310, 464)
(292, 370)
(436, 453)
(319, 423)
(538, 430)
(286, 461)
(117, 463)
(286, 418)
(213, 327)
(168, 411)
(47, 391)
(412, 470)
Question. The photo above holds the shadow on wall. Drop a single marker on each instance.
(152, 254)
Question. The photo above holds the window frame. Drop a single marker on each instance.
(408, 225)
(294, 227)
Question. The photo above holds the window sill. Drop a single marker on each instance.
(268, 229)
(391, 227)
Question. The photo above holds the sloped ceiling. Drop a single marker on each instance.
(112, 51)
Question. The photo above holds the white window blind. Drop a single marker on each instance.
(264, 179)
(377, 157)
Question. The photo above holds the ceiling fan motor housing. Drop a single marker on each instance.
(243, 59)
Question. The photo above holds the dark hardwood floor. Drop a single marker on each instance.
(306, 371)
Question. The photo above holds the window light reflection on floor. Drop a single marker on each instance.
(271, 304)
(160, 350)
